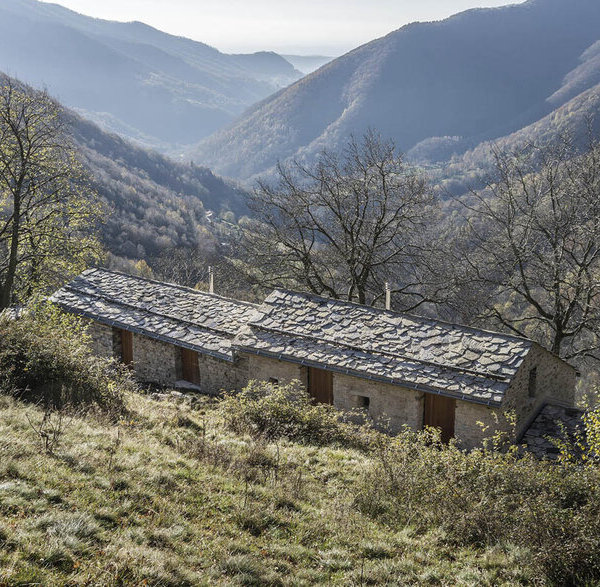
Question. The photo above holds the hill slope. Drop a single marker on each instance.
(155, 202)
(474, 77)
(169, 496)
(147, 85)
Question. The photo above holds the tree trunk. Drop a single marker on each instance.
(7, 287)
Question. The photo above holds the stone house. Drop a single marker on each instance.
(171, 335)
(406, 370)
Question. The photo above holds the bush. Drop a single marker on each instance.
(487, 497)
(271, 411)
(46, 357)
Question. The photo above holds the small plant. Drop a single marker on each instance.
(50, 429)
(46, 357)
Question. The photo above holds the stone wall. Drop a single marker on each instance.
(265, 369)
(391, 405)
(555, 383)
(102, 339)
(154, 361)
(388, 404)
(158, 362)
(217, 376)
(475, 422)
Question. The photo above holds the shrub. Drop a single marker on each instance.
(46, 357)
(272, 411)
(487, 497)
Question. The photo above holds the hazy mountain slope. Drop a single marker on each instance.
(155, 202)
(478, 75)
(307, 63)
(464, 171)
(154, 87)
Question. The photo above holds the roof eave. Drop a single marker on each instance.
(147, 333)
(369, 377)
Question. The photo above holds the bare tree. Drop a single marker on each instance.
(45, 214)
(531, 246)
(345, 225)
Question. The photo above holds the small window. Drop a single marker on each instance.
(533, 382)
(362, 401)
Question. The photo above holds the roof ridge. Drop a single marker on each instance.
(404, 314)
(170, 284)
(466, 370)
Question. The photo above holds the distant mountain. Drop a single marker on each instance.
(459, 173)
(437, 88)
(160, 90)
(307, 63)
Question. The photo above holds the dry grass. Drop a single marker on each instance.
(169, 497)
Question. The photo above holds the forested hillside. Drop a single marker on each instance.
(435, 88)
(156, 88)
(155, 202)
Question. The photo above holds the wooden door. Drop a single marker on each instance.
(127, 347)
(320, 385)
(189, 366)
(439, 413)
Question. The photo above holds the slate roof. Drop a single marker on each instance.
(417, 353)
(179, 315)
(553, 422)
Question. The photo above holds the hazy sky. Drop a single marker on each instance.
(329, 27)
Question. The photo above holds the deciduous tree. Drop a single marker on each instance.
(533, 246)
(47, 210)
(344, 226)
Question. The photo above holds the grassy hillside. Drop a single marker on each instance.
(168, 497)
(476, 76)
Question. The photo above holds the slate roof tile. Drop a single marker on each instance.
(416, 352)
(197, 320)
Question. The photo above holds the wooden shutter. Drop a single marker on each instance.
(189, 366)
(320, 385)
(127, 347)
(440, 413)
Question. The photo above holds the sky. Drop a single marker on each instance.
(305, 27)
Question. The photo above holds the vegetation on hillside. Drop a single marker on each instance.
(46, 358)
(264, 489)
(48, 213)
(156, 204)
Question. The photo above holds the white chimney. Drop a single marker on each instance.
(211, 280)
(388, 296)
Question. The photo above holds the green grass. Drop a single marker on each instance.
(169, 497)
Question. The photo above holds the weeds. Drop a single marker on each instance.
(269, 411)
(46, 358)
(51, 428)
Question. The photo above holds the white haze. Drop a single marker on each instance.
(329, 27)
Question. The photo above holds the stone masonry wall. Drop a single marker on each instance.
(154, 361)
(395, 405)
(555, 382)
(102, 339)
(217, 376)
(158, 362)
(263, 369)
(476, 422)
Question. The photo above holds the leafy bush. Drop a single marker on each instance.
(271, 411)
(487, 497)
(46, 357)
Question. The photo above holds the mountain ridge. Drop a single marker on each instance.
(169, 89)
(478, 75)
